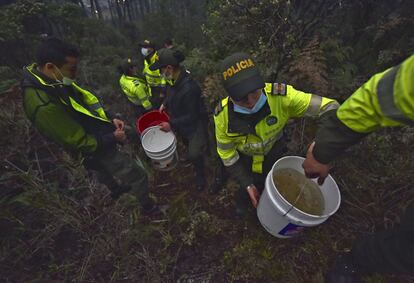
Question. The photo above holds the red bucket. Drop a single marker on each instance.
(150, 119)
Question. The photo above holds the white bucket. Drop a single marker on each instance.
(283, 220)
(160, 147)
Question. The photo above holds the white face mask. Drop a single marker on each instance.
(166, 76)
(65, 80)
(145, 52)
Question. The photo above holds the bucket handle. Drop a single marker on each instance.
(291, 207)
(296, 200)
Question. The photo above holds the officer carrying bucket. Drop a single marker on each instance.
(249, 124)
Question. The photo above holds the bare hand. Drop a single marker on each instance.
(254, 195)
(313, 168)
(162, 108)
(119, 124)
(120, 135)
(165, 126)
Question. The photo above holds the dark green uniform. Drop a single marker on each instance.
(188, 117)
(74, 118)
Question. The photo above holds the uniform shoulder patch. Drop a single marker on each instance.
(136, 82)
(279, 89)
(218, 109)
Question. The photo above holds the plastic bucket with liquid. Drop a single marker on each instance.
(160, 147)
(283, 220)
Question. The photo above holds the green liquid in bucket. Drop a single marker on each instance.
(289, 183)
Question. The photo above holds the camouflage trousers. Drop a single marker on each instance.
(121, 173)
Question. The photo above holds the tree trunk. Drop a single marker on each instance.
(111, 11)
(81, 4)
(98, 9)
(119, 11)
(92, 2)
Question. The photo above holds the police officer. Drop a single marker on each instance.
(385, 100)
(168, 43)
(156, 83)
(135, 87)
(185, 106)
(74, 118)
(249, 123)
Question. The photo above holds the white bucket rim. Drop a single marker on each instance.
(162, 158)
(152, 151)
(163, 154)
(313, 179)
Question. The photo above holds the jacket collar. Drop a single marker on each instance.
(151, 58)
(182, 78)
(33, 77)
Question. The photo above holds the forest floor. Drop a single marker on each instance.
(57, 224)
(234, 249)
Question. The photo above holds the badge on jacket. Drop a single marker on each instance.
(271, 120)
(279, 89)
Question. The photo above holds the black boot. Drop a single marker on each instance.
(242, 203)
(219, 180)
(117, 191)
(216, 186)
(200, 180)
(151, 209)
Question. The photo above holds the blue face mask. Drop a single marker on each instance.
(259, 104)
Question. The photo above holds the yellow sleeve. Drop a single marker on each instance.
(226, 147)
(307, 104)
(370, 107)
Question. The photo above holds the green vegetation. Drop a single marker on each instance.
(58, 224)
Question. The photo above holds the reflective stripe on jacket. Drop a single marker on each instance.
(136, 90)
(153, 78)
(386, 99)
(94, 109)
(53, 111)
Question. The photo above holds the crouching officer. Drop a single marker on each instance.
(249, 123)
(74, 118)
(135, 87)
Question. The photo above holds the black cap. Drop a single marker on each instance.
(126, 65)
(147, 43)
(166, 57)
(240, 75)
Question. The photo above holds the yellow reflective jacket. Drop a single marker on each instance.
(284, 102)
(49, 107)
(387, 99)
(153, 78)
(136, 90)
